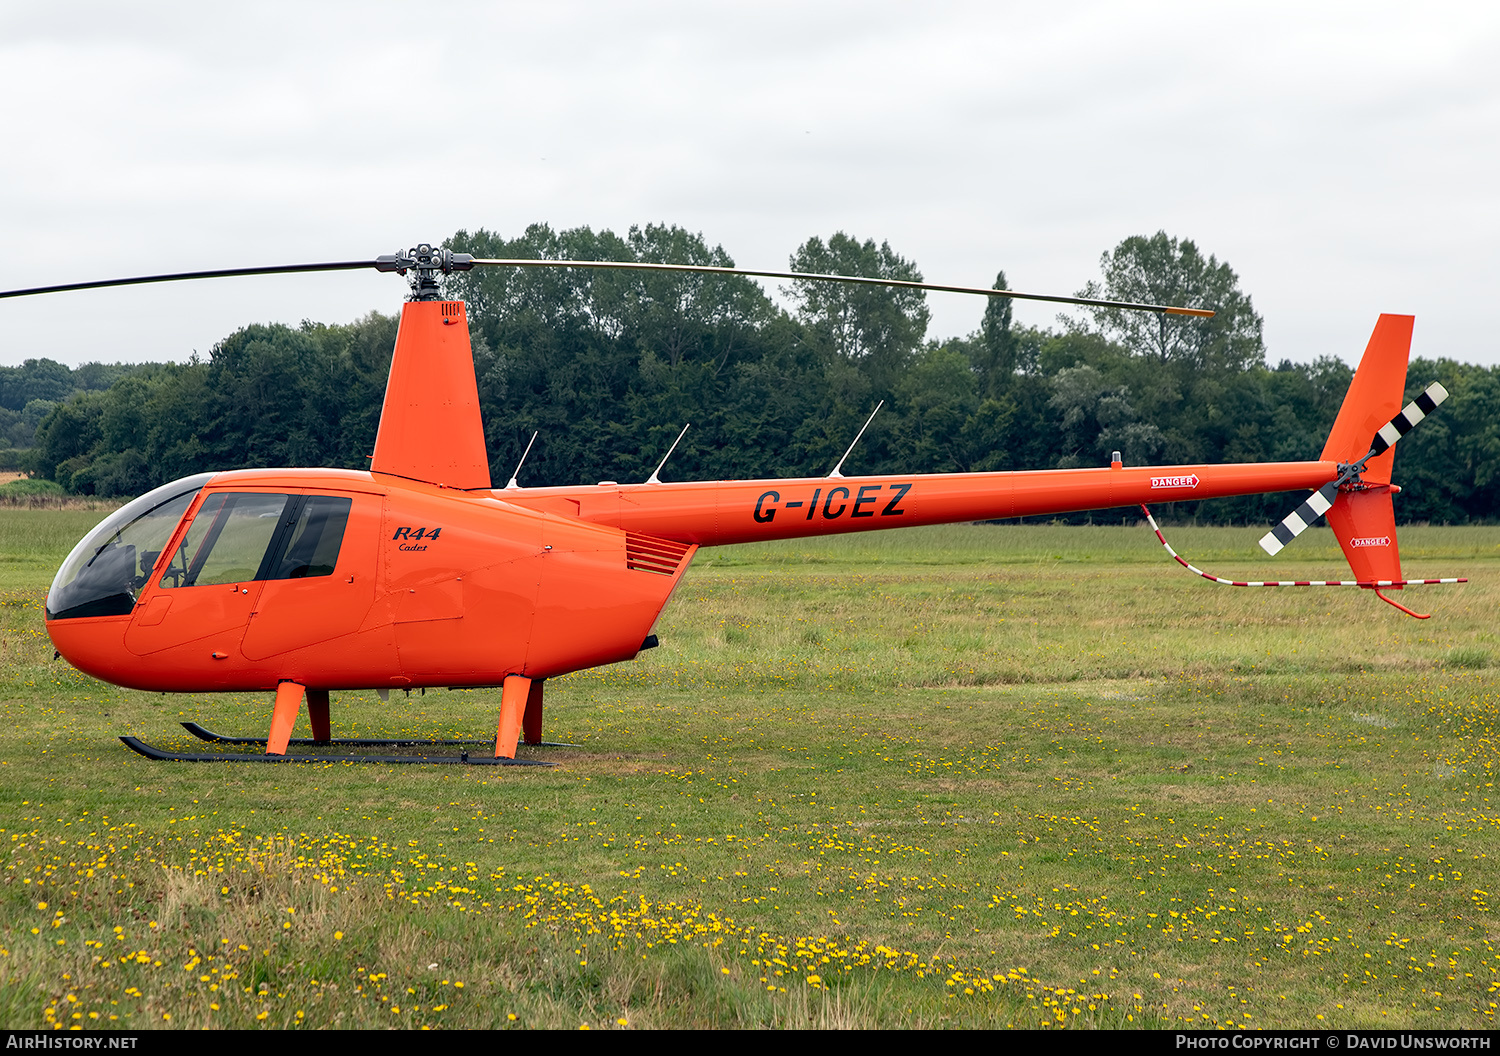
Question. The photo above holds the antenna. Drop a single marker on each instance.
(513, 484)
(655, 477)
(835, 471)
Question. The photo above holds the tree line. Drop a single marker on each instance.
(608, 366)
(30, 392)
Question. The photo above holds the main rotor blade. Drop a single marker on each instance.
(856, 280)
(461, 262)
(223, 273)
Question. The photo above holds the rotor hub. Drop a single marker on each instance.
(424, 267)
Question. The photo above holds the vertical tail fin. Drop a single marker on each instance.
(1371, 403)
(1374, 398)
(1364, 521)
(1357, 502)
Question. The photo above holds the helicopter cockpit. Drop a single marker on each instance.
(235, 537)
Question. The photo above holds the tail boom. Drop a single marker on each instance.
(716, 513)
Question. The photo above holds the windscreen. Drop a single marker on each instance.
(106, 571)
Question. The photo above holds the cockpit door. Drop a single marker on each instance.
(211, 583)
(324, 580)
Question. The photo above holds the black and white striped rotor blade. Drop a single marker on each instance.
(1300, 519)
(1411, 415)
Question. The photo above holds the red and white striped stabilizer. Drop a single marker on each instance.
(1372, 584)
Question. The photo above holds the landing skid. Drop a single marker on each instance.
(205, 734)
(462, 759)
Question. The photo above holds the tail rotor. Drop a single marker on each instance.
(1321, 501)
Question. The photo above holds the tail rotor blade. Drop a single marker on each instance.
(1410, 417)
(1300, 519)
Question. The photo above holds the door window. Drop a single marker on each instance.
(312, 547)
(227, 540)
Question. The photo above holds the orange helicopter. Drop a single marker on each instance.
(420, 573)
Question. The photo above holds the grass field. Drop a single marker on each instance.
(969, 776)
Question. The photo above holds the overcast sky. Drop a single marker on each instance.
(1342, 158)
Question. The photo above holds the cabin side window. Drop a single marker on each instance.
(238, 537)
(312, 545)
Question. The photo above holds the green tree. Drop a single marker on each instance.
(1162, 270)
(934, 400)
(608, 365)
(875, 327)
(998, 342)
(1097, 418)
